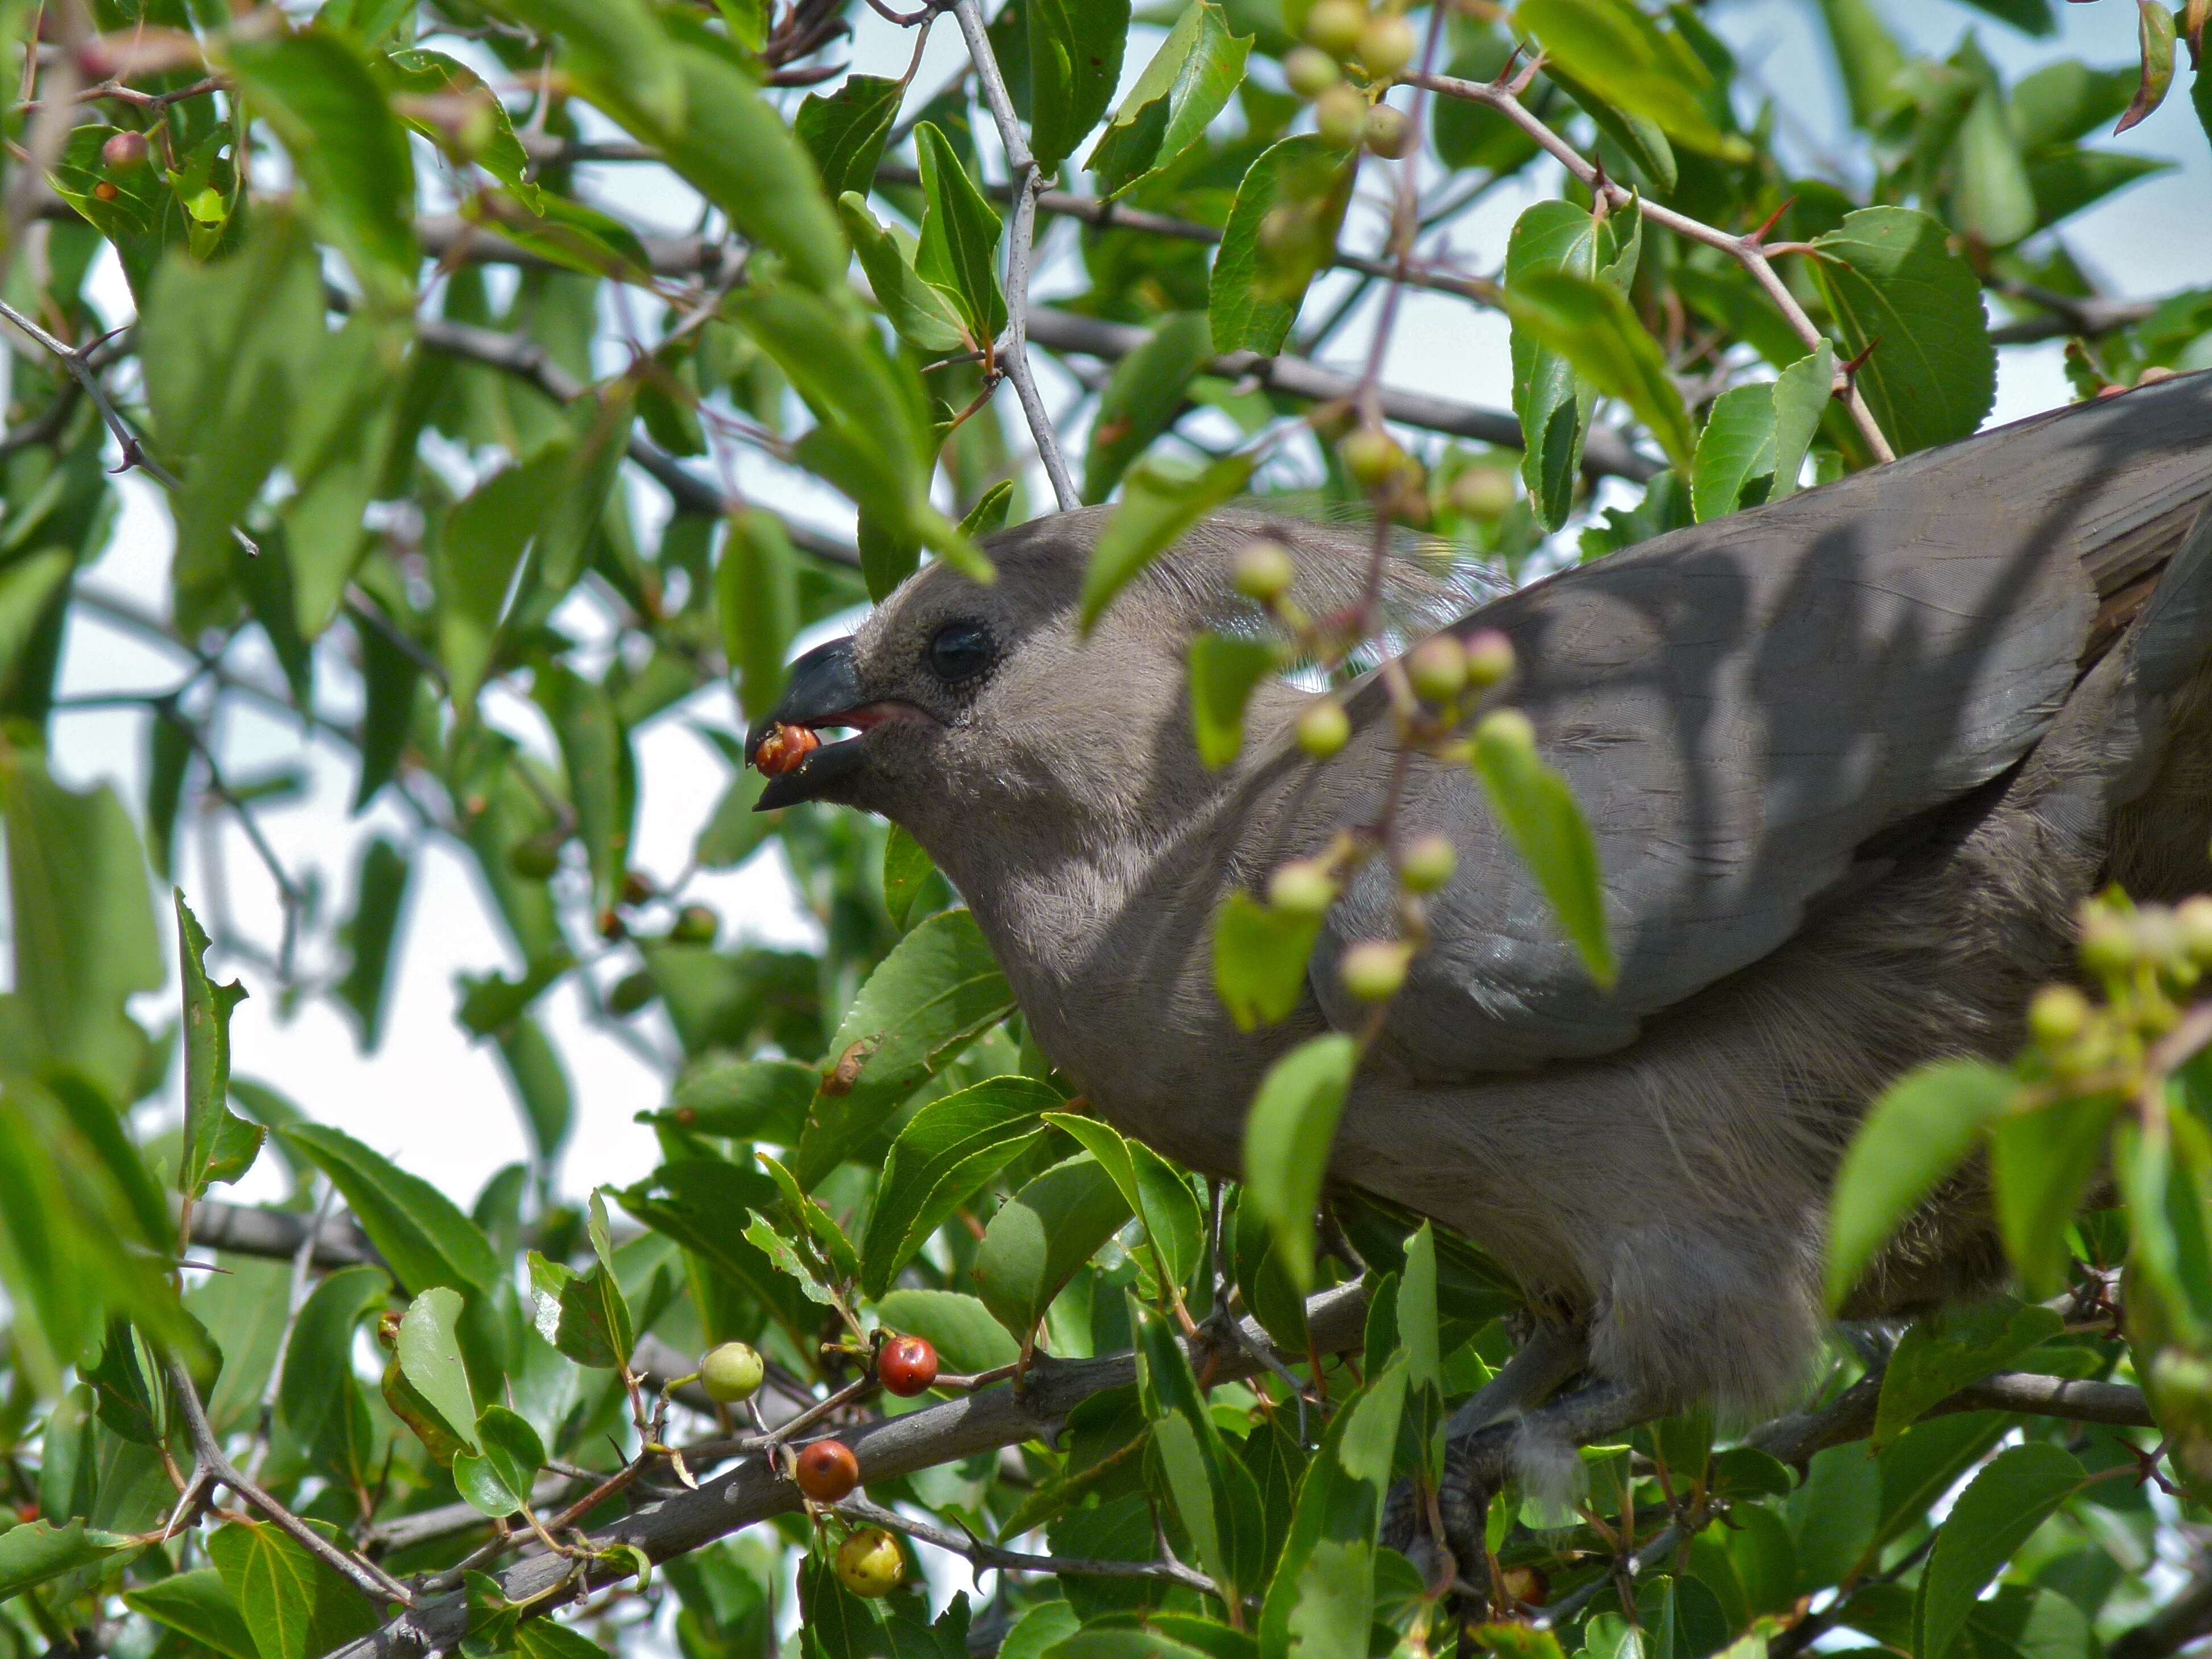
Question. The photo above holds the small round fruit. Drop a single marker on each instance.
(1337, 26)
(124, 149)
(730, 1373)
(1527, 1585)
(1340, 116)
(631, 992)
(1489, 659)
(535, 860)
(1324, 728)
(1390, 132)
(2108, 943)
(1263, 571)
(2194, 916)
(1386, 45)
(1371, 455)
(104, 191)
(1509, 728)
(1427, 863)
(1437, 668)
(908, 1365)
(1303, 888)
(1310, 70)
(828, 1471)
(1374, 970)
(696, 924)
(2059, 1015)
(2157, 936)
(870, 1563)
(1483, 492)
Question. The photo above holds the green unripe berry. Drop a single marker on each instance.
(1310, 70)
(1324, 729)
(1386, 45)
(2108, 943)
(1389, 134)
(631, 992)
(1374, 970)
(1340, 115)
(1437, 668)
(696, 924)
(2159, 942)
(535, 860)
(2057, 1016)
(732, 1373)
(1337, 27)
(1489, 659)
(2194, 917)
(1371, 455)
(1263, 571)
(1509, 728)
(1427, 864)
(1483, 492)
(1303, 888)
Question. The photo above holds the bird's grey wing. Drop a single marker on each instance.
(1741, 706)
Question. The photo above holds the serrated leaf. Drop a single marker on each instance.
(1159, 1197)
(198, 1606)
(415, 1227)
(923, 317)
(1591, 325)
(1042, 1235)
(296, 1606)
(498, 1480)
(845, 131)
(429, 1356)
(2007, 1500)
(1256, 288)
(1617, 50)
(942, 1158)
(1943, 1353)
(213, 1149)
(2154, 34)
(1075, 49)
(36, 1551)
(1180, 92)
(958, 247)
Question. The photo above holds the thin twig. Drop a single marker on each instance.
(1028, 181)
(1746, 251)
(365, 1576)
(986, 1555)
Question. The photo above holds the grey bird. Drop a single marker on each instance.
(1852, 761)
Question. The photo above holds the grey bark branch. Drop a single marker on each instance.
(989, 1557)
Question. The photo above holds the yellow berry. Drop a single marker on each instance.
(1310, 70)
(1386, 45)
(1340, 115)
(1337, 27)
(730, 1373)
(1483, 492)
(1263, 571)
(1427, 864)
(1324, 729)
(1389, 134)
(1489, 659)
(1509, 728)
(1303, 887)
(1371, 455)
(1437, 668)
(870, 1563)
(2059, 1015)
(1375, 969)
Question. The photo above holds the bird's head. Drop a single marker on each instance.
(978, 710)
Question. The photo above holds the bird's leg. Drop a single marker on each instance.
(1550, 1356)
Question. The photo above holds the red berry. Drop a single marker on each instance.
(105, 191)
(828, 1471)
(124, 149)
(908, 1365)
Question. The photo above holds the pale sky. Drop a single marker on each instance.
(440, 1104)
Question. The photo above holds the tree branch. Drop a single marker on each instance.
(984, 1556)
(1021, 238)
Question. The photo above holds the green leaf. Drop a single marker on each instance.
(988, 516)
(846, 131)
(81, 919)
(2067, 180)
(1921, 1129)
(1546, 825)
(1142, 399)
(1801, 392)
(942, 1158)
(1224, 669)
(540, 1083)
(1892, 282)
(1992, 196)
(1213, 1494)
(618, 43)
(595, 752)
(1259, 960)
(745, 1100)
(1552, 406)
(756, 598)
(219, 1146)
(39, 1550)
(1943, 1353)
(294, 1606)
(2008, 1499)
(498, 1480)
(2161, 1180)
(907, 871)
(2154, 35)
(1075, 49)
(2041, 1165)
(2029, 16)
(1734, 450)
(1042, 1235)
(922, 315)
(1321, 1600)
(1156, 1195)
(422, 74)
(960, 1328)
(415, 1227)
(2066, 100)
(1642, 139)
(429, 1355)
(958, 249)
(380, 889)
(476, 557)
(346, 146)
(317, 1394)
(939, 990)
(1156, 506)
(1927, 1463)
(197, 1605)
(1185, 86)
(1591, 325)
(1287, 1138)
(2018, 1623)
(1255, 291)
(1620, 52)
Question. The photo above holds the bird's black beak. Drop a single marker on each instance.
(823, 690)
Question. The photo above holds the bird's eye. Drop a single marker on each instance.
(958, 651)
